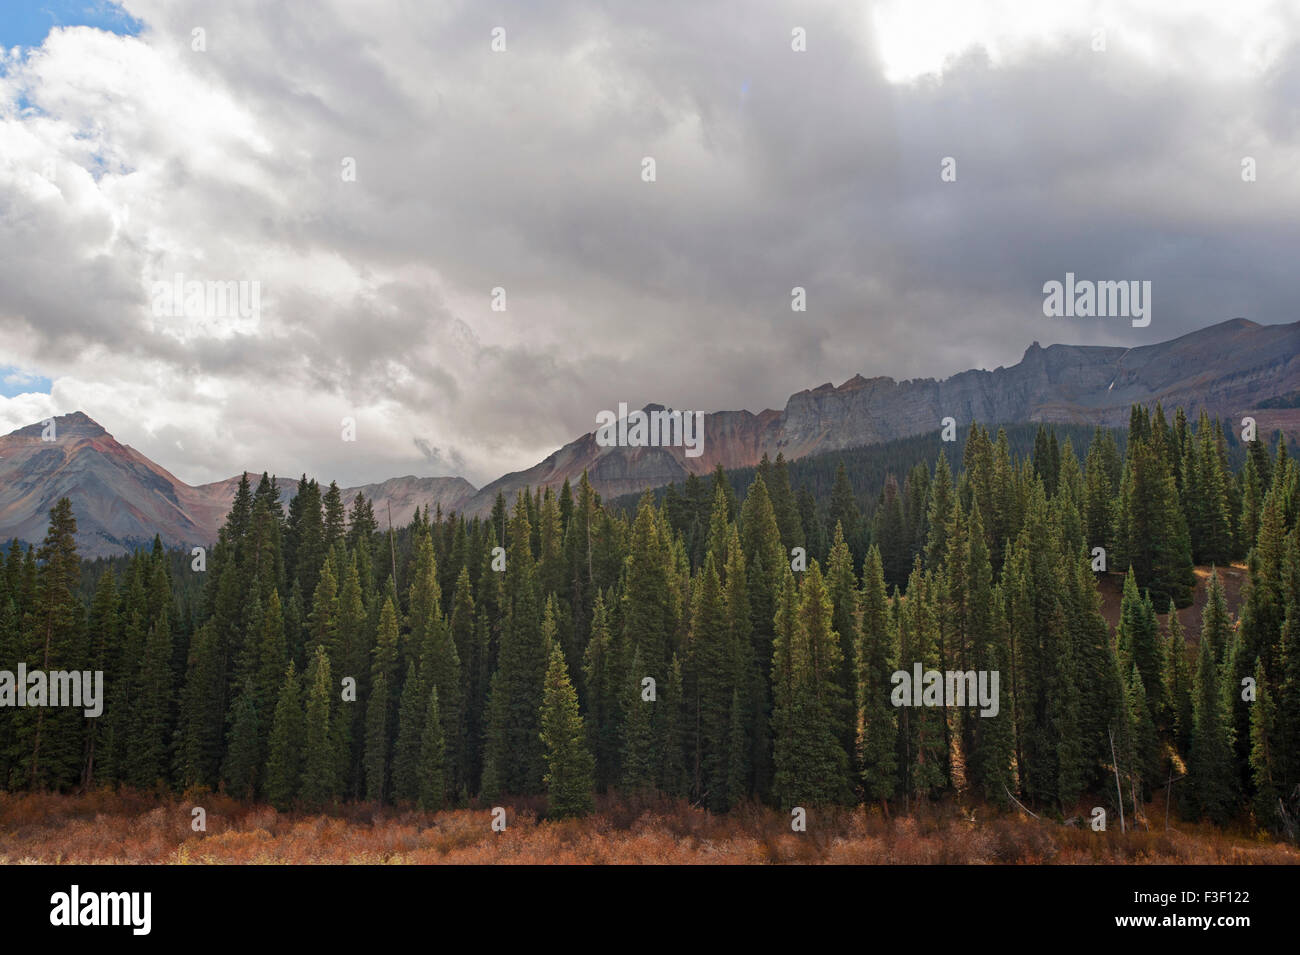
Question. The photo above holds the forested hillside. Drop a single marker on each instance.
(724, 642)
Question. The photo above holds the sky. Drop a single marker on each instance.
(368, 175)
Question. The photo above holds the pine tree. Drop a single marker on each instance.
(440, 665)
(1179, 681)
(940, 510)
(379, 704)
(670, 733)
(151, 712)
(432, 773)
(844, 511)
(200, 725)
(322, 621)
(783, 505)
(811, 765)
(710, 682)
(512, 752)
(1263, 753)
(765, 565)
(640, 762)
(1146, 744)
(56, 642)
(923, 727)
(877, 719)
(604, 684)
(991, 743)
(410, 729)
(1155, 541)
(103, 626)
(242, 765)
(334, 517)
(320, 777)
(891, 535)
(1210, 761)
(288, 735)
(843, 587)
(647, 623)
(473, 653)
(1288, 691)
(745, 674)
(570, 767)
(1100, 486)
(1139, 638)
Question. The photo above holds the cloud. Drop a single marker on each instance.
(129, 159)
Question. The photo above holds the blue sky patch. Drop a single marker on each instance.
(15, 381)
(27, 22)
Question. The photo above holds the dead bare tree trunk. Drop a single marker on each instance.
(1119, 793)
(1169, 786)
(392, 543)
(1018, 802)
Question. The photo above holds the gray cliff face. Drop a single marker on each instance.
(1226, 369)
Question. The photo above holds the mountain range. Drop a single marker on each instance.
(122, 499)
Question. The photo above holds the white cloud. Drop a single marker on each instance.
(127, 160)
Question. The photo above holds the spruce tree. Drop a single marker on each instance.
(103, 627)
(410, 729)
(242, 764)
(56, 642)
(647, 623)
(640, 757)
(844, 511)
(320, 775)
(288, 735)
(570, 768)
(1210, 768)
(379, 704)
(765, 564)
(891, 535)
(432, 770)
(876, 661)
(200, 725)
(1154, 538)
(1139, 638)
(604, 685)
(151, 712)
(811, 765)
(710, 682)
(670, 734)
(1179, 681)
(991, 742)
(843, 587)
(512, 751)
(1146, 745)
(1263, 749)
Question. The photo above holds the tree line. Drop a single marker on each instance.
(560, 646)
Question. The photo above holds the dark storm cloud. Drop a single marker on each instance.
(521, 169)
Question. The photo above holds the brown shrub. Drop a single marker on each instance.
(103, 826)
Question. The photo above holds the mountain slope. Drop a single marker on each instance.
(122, 499)
(1228, 369)
(119, 496)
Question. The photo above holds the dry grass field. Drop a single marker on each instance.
(107, 827)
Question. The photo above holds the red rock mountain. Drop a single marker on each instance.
(121, 498)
